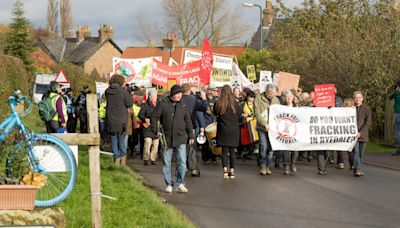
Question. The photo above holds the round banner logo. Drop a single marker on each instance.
(125, 69)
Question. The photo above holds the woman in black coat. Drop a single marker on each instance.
(229, 117)
(118, 102)
(151, 140)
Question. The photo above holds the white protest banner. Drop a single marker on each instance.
(265, 79)
(299, 129)
(101, 88)
(136, 71)
(222, 66)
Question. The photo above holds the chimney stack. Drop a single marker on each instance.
(82, 33)
(170, 41)
(105, 31)
(269, 14)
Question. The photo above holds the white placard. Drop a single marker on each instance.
(265, 79)
(223, 67)
(235, 82)
(101, 88)
(299, 129)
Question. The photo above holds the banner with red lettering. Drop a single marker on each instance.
(206, 63)
(186, 73)
(324, 95)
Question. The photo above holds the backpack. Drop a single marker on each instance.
(46, 110)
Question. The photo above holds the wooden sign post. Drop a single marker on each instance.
(94, 160)
(93, 141)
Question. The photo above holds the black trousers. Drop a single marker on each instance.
(83, 122)
(228, 152)
(71, 123)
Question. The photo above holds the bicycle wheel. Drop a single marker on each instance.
(51, 157)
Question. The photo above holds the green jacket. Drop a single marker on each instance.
(261, 104)
(396, 97)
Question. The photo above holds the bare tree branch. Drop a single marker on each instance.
(52, 16)
(66, 17)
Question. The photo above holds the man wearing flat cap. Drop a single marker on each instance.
(174, 117)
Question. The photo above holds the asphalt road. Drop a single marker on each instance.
(302, 200)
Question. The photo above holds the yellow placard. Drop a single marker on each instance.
(251, 72)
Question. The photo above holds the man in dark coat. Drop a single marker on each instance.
(82, 112)
(118, 102)
(175, 119)
(363, 122)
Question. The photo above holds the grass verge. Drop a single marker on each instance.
(136, 206)
(374, 147)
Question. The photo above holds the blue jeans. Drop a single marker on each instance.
(181, 163)
(397, 124)
(265, 152)
(358, 154)
(118, 144)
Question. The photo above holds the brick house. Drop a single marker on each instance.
(94, 54)
(170, 51)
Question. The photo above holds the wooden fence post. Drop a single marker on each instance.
(389, 134)
(94, 161)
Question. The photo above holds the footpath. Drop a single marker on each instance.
(383, 160)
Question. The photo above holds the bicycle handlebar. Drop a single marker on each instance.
(16, 98)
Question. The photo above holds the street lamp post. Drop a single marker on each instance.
(245, 4)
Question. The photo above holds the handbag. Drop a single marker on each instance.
(245, 135)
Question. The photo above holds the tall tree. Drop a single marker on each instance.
(66, 17)
(354, 44)
(195, 19)
(19, 41)
(52, 16)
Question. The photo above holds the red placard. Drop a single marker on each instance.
(324, 95)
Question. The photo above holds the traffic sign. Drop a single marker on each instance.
(61, 78)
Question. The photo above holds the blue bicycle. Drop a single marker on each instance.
(48, 156)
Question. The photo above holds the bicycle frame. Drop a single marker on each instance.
(14, 120)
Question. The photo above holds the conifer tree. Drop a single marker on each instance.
(19, 41)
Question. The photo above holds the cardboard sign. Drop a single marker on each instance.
(251, 72)
(287, 81)
(324, 95)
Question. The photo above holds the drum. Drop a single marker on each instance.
(211, 134)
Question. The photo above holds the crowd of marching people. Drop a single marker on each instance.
(224, 122)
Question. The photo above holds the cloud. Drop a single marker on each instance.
(121, 14)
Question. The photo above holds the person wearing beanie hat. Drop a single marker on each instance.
(175, 90)
(176, 125)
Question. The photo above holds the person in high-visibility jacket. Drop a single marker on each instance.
(102, 118)
(59, 122)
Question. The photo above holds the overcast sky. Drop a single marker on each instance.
(121, 15)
